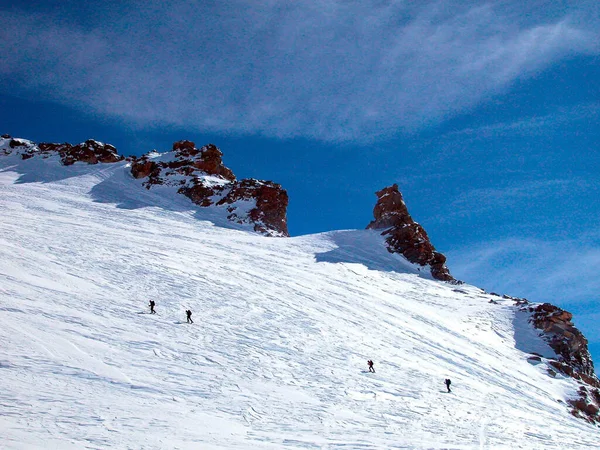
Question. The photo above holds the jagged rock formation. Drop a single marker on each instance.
(269, 214)
(404, 235)
(560, 333)
(90, 151)
(574, 359)
(201, 175)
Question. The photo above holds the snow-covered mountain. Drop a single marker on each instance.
(283, 327)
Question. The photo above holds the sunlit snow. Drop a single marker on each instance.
(276, 358)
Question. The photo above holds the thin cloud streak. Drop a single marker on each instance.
(532, 268)
(333, 71)
(515, 195)
(530, 126)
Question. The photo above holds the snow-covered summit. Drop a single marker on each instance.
(283, 328)
(199, 174)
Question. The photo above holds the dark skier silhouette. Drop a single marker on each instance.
(188, 313)
(371, 368)
(152, 305)
(448, 382)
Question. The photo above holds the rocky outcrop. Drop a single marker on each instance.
(209, 158)
(90, 151)
(587, 406)
(201, 175)
(22, 147)
(271, 205)
(560, 333)
(143, 168)
(574, 359)
(198, 173)
(404, 235)
(185, 160)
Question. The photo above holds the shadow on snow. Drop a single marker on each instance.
(367, 247)
(115, 185)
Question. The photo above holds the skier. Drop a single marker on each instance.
(152, 305)
(448, 382)
(371, 368)
(188, 313)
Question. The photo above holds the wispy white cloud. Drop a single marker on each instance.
(514, 195)
(530, 126)
(561, 271)
(331, 70)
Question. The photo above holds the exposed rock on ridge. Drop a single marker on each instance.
(269, 214)
(90, 151)
(404, 235)
(566, 340)
(197, 173)
(201, 175)
(574, 358)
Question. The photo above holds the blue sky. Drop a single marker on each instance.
(487, 116)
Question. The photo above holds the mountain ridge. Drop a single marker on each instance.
(384, 301)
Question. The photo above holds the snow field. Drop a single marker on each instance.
(277, 355)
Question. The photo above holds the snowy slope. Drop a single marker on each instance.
(277, 356)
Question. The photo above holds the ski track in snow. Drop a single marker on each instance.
(277, 355)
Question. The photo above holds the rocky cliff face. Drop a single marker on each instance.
(566, 340)
(404, 235)
(201, 175)
(268, 215)
(573, 357)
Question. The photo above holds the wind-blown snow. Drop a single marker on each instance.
(277, 355)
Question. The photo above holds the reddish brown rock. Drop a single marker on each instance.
(14, 143)
(188, 158)
(200, 194)
(46, 147)
(404, 235)
(211, 162)
(574, 361)
(24, 148)
(566, 340)
(142, 168)
(587, 405)
(90, 152)
(104, 153)
(187, 168)
(270, 213)
(197, 173)
(186, 148)
(186, 161)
